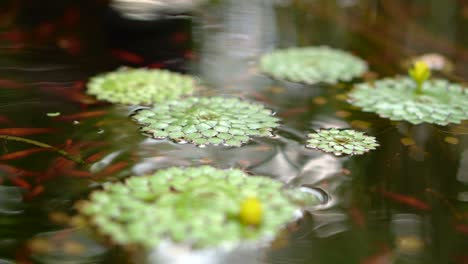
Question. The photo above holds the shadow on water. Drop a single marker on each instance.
(406, 202)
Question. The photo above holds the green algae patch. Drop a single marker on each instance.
(341, 142)
(207, 121)
(434, 101)
(197, 206)
(140, 86)
(311, 65)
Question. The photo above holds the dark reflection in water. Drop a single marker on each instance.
(406, 202)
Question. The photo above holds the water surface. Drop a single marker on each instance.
(368, 214)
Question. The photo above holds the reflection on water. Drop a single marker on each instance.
(10, 200)
(233, 34)
(65, 246)
(152, 9)
(409, 242)
(462, 174)
(403, 203)
(179, 255)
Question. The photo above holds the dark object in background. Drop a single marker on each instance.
(164, 42)
(94, 31)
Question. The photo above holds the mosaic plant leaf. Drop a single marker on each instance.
(210, 120)
(339, 142)
(312, 65)
(199, 206)
(439, 102)
(140, 86)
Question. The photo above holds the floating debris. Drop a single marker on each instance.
(452, 140)
(209, 120)
(407, 141)
(343, 114)
(140, 86)
(82, 115)
(40, 245)
(312, 65)
(341, 142)
(437, 102)
(53, 114)
(199, 206)
(409, 244)
(64, 153)
(319, 100)
(360, 124)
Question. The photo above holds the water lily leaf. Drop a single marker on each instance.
(196, 118)
(140, 86)
(341, 142)
(312, 65)
(200, 206)
(438, 102)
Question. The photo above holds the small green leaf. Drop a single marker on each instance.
(340, 142)
(210, 117)
(54, 114)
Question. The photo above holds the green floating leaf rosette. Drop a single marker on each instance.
(199, 207)
(140, 86)
(339, 142)
(312, 65)
(438, 101)
(210, 120)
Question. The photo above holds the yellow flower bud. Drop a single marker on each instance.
(251, 211)
(420, 72)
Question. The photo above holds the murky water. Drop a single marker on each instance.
(406, 202)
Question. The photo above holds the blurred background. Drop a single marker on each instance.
(406, 202)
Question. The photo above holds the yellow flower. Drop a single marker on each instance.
(251, 211)
(420, 72)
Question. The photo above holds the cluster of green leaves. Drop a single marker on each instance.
(140, 86)
(312, 65)
(433, 101)
(197, 206)
(211, 120)
(339, 142)
(205, 206)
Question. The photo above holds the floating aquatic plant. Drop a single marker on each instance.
(210, 120)
(312, 65)
(140, 86)
(341, 142)
(416, 99)
(199, 206)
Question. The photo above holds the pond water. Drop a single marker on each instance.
(406, 202)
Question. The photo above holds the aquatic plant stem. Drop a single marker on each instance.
(419, 88)
(44, 145)
(440, 102)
